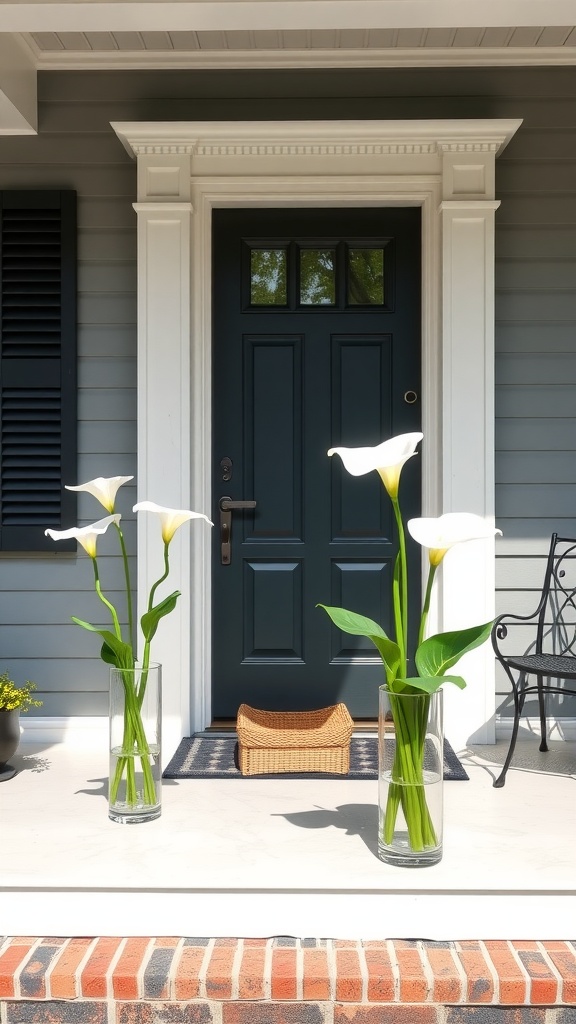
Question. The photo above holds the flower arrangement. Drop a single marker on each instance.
(434, 656)
(118, 646)
(14, 697)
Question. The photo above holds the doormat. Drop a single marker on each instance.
(216, 757)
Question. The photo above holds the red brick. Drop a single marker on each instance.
(186, 983)
(163, 1013)
(284, 984)
(93, 979)
(447, 986)
(385, 1015)
(494, 1015)
(348, 977)
(272, 1013)
(316, 983)
(62, 979)
(543, 983)
(413, 982)
(251, 974)
(219, 973)
(479, 984)
(10, 961)
(33, 974)
(511, 979)
(564, 961)
(125, 973)
(381, 983)
(55, 1012)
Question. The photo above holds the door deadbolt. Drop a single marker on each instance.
(410, 397)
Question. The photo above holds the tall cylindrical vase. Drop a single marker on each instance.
(410, 778)
(134, 788)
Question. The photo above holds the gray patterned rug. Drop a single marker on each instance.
(214, 756)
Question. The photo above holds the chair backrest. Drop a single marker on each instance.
(556, 632)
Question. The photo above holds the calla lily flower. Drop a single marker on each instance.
(170, 518)
(386, 458)
(103, 488)
(441, 533)
(85, 535)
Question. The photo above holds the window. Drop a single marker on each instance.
(37, 366)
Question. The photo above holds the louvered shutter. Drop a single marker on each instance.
(37, 367)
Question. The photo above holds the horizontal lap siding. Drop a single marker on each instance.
(535, 305)
(38, 594)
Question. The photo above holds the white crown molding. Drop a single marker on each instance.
(320, 138)
(214, 60)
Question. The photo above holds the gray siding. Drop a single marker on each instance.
(535, 308)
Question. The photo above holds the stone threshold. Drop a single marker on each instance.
(285, 980)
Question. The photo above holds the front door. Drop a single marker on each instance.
(316, 344)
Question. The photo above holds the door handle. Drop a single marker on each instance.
(227, 505)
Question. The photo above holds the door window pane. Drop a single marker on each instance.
(366, 277)
(317, 277)
(268, 277)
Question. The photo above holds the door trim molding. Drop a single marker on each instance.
(185, 169)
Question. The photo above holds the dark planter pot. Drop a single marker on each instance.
(9, 740)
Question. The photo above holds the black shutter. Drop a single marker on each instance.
(37, 367)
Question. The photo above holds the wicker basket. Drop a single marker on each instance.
(271, 742)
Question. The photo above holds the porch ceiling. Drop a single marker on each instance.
(292, 33)
(254, 857)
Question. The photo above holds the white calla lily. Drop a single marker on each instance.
(441, 533)
(103, 488)
(85, 535)
(170, 518)
(386, 458)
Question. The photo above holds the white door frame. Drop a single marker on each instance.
(185, 169)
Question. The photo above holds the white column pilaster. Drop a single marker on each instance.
(164, 248)
(467, 224)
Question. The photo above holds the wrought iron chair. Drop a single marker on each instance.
(552, 653)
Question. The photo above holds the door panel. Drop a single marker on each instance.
(316, 340)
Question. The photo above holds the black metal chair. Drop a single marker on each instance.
(552, 653)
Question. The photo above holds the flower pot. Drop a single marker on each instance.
(9, 741)
(410, 786)
(135, 783)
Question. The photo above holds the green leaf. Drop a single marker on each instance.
(438, 653)
(108, 656)
(429, 684)
(150, 619)
(120, 651)
(360, 625)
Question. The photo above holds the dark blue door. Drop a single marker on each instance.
(316, 344)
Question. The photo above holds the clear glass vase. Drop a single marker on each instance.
(135, 782)
(410, 778)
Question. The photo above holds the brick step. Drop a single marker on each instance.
(283, 980)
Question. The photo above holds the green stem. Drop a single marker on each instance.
(426, 606)
(127, 579)
(407, 781)
(402, 616)
(105, 600)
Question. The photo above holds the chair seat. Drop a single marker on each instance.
(557, 665)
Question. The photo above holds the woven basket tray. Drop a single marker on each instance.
(271, 742)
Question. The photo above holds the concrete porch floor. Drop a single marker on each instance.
(260, 858)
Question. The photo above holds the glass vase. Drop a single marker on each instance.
(135, 782)
(410, 778)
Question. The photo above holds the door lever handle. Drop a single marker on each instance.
(226, 506)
